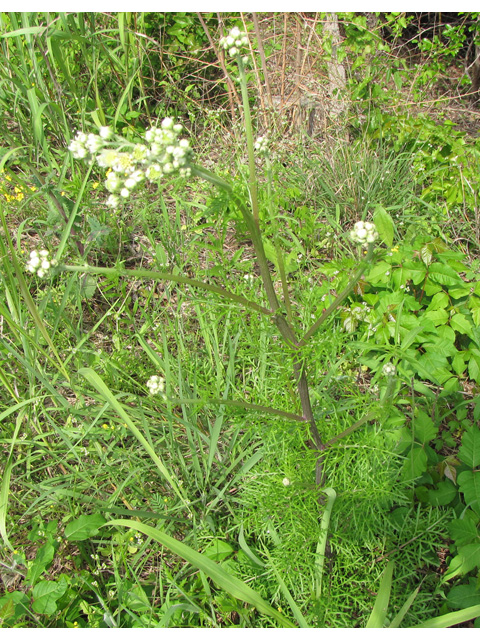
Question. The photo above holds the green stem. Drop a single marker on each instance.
(242, 405)
(160, 275)
(252, 184)
(254, 230)
(370, 416)
(339, 299)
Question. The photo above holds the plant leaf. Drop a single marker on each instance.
(469, 451)
(384, 224)
(84, 527)
(379, 611)
(45, 595)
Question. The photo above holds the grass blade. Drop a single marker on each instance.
(379, 612)
(450, 619)
(222, 578)
(105, 392)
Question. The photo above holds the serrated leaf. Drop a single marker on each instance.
(415, 464)
(426, 254)
(476, 316)
(464, 595)
(84, 527)
(469, 484)
(384, 224)
(45, 595)
(439, 301)
(468, 558)
(460, 323)
(463, 531)
(443, 494)
(423, 428)
(444, 274)
(469, 451)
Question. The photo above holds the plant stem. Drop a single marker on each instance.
(252, 184)
(160, 275)
(370, 416)
(241, 404)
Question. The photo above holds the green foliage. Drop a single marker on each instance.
(217, 478)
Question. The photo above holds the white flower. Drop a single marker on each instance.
(285, 482)
(113, 201)
(261, 144)
(389, 369)
(40, 263)
(105, 132)
(364, 233)
(156, 385)
(234, 42)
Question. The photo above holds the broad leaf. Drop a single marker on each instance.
(464, 531)
(443, 494)
(384, 224)
(423, 428)
(464, 595)
(460, 323)
(468, 558)
(45, 595)
(469, 483)
(415, 464)
(84, 527)
(469, 451)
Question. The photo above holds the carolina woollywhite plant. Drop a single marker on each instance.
(164, 152)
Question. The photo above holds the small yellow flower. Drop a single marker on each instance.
(95, 185)
(105, 426)
(395, 249)
(9, 178)
(63, 193)
(279, 609)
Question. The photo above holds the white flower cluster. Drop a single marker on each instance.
(40, 263)
(364, 232)
(285, 482)
(165, 153)
(156, 385)
(389, 369)
(234, 42)
(261, 144)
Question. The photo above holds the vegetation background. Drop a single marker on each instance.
(214, 504)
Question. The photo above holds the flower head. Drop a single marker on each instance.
(285, 482)
(40, 263)
(235, 42)
(364, 233)
(389, 369)
(261, 144)
(128, 164)
(156, 385)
